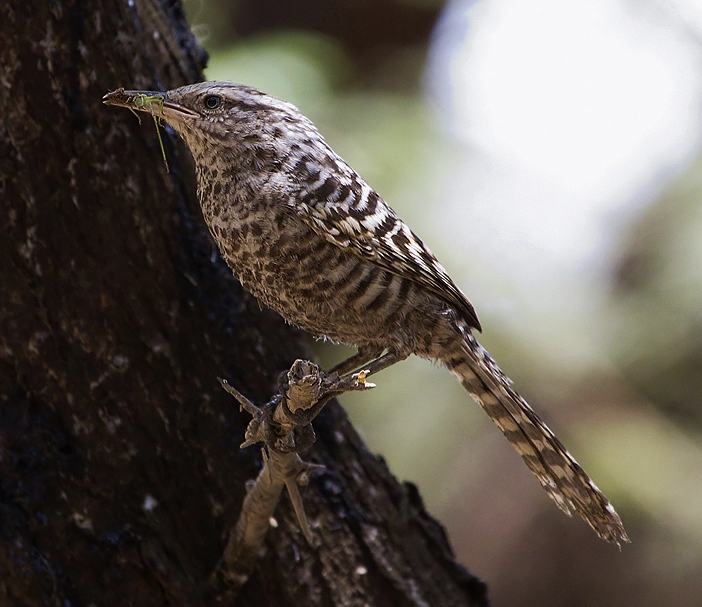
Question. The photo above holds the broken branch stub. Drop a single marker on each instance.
(284, 427)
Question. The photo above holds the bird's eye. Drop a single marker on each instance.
(212, 102)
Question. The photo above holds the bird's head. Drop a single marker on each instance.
(224, 118)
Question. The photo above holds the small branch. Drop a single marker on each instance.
(283, 425)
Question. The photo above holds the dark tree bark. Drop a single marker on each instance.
(120, 471)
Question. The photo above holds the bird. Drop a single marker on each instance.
(309, 238)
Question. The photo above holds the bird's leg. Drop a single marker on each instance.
(357, 361)
(389, 358)
(368, 362)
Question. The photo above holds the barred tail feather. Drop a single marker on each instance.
(560, 475)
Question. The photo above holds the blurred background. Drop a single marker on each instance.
(549, 153)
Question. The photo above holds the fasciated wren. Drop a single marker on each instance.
(308, 237)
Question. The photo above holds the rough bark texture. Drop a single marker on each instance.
(120, 471)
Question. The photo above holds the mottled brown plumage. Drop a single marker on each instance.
(309, 238)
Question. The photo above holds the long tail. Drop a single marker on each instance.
(560, 475)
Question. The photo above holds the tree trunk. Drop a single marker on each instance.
(120, 472)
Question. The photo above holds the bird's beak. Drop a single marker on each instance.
(154, 103)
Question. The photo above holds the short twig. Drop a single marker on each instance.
(284, 427)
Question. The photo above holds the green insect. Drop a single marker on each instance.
(149, 101)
